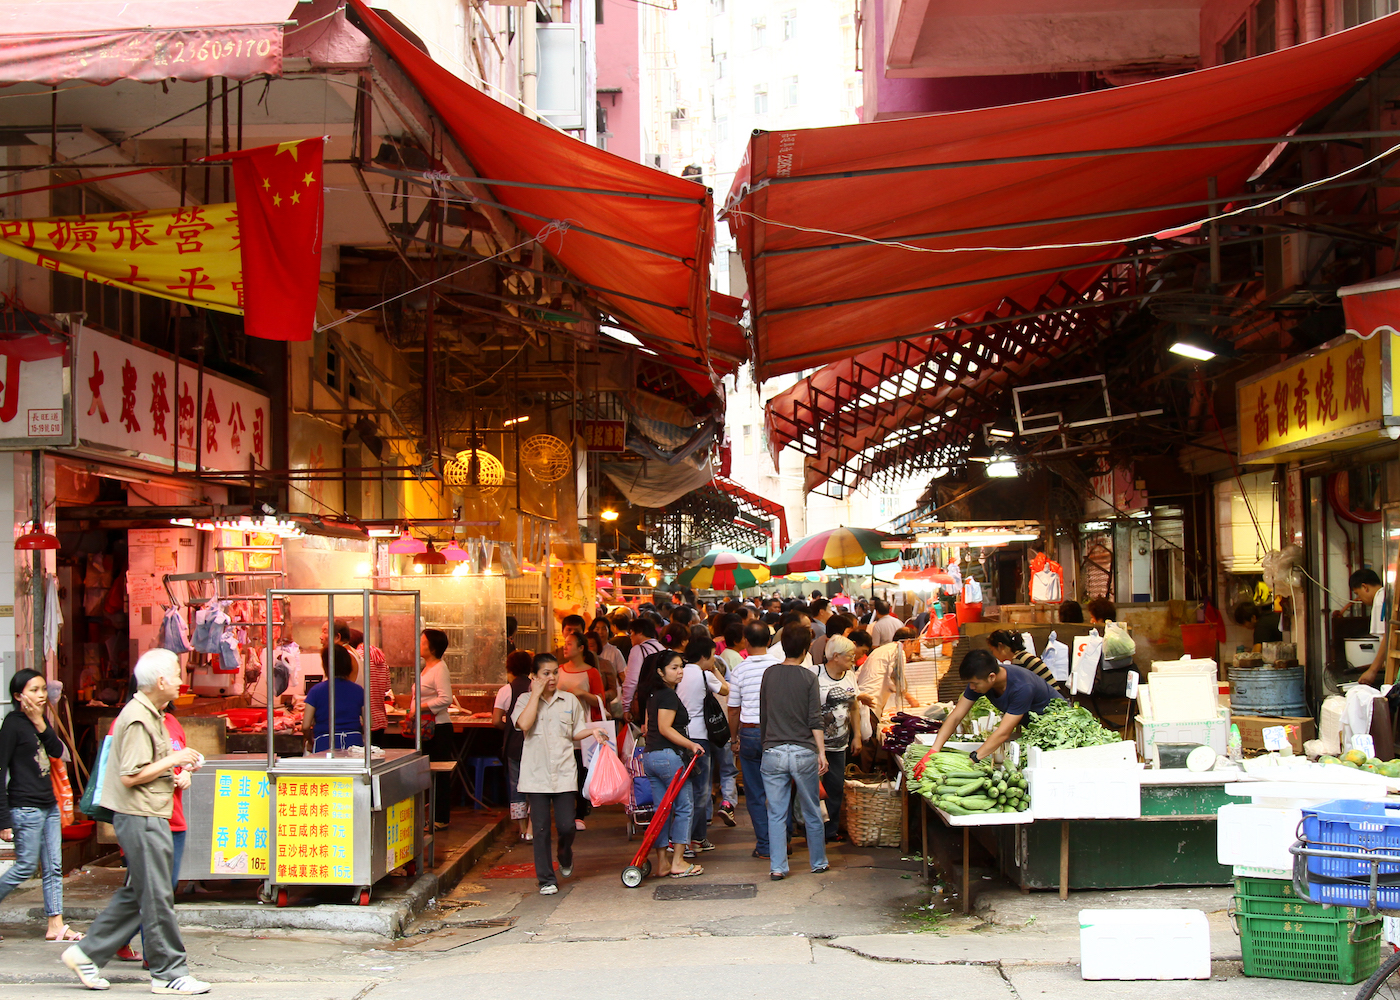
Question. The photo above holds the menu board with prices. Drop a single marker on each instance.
(239, 840)
(398, 836)
(314, 829)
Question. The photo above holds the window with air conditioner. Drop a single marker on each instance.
(759, 29)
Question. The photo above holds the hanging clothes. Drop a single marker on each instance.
(53, 616)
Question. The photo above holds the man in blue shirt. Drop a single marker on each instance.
(1013, 690)
(349, 708)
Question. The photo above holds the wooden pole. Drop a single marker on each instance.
(1064, 859)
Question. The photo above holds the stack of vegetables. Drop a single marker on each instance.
(953, 782)
(1063, 726)
(903, 728)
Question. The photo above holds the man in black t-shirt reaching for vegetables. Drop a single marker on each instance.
(1013, 690)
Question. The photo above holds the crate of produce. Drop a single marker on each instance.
(1214, 733)
(1310, 949)
(1086, 792)
(1350, 824)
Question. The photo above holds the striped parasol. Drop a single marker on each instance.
(836, 548)
(724, 570)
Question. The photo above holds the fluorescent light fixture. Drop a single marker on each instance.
(391, 531)
(120, 478)
(608, 514)
(1001, 432)
(516, 420)
(1196, 352)
(1002, 468)
(976, 537)
(1096, 525)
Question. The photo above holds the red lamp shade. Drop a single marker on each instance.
(429, 557)
(35, 540)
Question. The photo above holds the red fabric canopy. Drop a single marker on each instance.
(52, 41)
(1372, 307)
(656, 249)
(762, 503)
(816, 307)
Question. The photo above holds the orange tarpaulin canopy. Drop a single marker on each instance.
(638, 232)
(943, 182)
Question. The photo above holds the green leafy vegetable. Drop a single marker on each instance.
(1063, 726)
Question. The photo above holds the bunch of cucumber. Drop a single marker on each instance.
(959, 786)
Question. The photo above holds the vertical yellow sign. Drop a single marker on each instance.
(315, 829)
(238, 840)
(398, 836)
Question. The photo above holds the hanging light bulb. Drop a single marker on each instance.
(407, 545)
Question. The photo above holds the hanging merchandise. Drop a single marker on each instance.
(955, 571)
(972, 592)
(174, 632)
(1084, 662)
(53, 616)
(210, 622)
(229, 659)
(1056, 657)
(1046, 587)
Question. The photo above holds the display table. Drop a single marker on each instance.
(1173, 842)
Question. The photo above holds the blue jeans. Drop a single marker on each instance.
(38, 846)
(783, 767)
(728, 788)
(661, 767)
(702, 802)
(751, 761)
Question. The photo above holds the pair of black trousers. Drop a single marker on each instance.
(563, 804)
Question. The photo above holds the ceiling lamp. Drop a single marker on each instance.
(453, 552)
(608, 514)
(36, 540)
(1197, 346)
(1001, 468)
(429, 557)
(406, 545)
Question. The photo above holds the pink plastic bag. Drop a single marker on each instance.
(608, 780)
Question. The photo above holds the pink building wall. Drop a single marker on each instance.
(619, 69)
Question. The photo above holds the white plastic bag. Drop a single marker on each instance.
(1029, 641)
(1084, 662)
(1056, 657)
(1116, 641)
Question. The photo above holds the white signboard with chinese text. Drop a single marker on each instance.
(34, 393)
(126, 402)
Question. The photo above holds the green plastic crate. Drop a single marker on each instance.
(1262, 897)
(1310, 949)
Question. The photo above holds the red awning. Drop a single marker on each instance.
(726, 334)
(762, 503)
(820, 293)
(643, 235)
(52, 41)
(1372, 307)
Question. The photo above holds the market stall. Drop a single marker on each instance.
(342, 817)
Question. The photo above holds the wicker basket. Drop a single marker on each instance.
(873, 812)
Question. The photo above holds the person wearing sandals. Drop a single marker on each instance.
(666, 745)
(29, 813)
(139, 789)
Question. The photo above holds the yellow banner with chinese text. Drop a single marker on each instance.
(186, 254)
(1315, 402)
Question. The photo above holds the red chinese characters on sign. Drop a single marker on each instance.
(258, 433)
(236, 424)
(1358, 396)
(160, 405)
(95, 380)
(68, 234)
(1261, 417)
(1281, 408)
(187, 228)
(128, 416)
(602, 435)
(131, 231)
(211, 423)
(1300, 401)
(195, 280)
(1326, 394)
(185, 419)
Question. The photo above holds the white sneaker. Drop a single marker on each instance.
(76, 959)
(578, 825)
(182, 985)
(566, 870)
(548, 889)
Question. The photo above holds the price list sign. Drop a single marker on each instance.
(398, 835)
(314, 820)
(238, 845)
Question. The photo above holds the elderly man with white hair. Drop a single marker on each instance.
(139, 789)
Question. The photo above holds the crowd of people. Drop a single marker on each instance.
(781, 694)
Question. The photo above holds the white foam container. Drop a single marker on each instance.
(1086, 792)
(1214, 733)
(1144, 944)
(1256, 836)
(1120, 754)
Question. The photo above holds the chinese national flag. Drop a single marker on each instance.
(281, 210)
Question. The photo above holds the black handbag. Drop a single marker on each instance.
(716, 721)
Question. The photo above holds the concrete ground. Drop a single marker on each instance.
(868, 924)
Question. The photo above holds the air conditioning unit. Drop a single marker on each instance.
(678, 115)
(1289, 258)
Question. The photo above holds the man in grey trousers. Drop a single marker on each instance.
(139, 789)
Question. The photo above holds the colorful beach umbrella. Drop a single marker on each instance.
(722, 570)
(836, 548)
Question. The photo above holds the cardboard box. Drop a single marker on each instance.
(1252, 730)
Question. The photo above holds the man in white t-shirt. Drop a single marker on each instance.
(1367, 590)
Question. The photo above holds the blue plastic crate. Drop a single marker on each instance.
(1349, 824)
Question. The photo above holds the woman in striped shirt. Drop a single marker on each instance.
(1008, 647)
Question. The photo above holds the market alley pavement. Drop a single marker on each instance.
(867, 928)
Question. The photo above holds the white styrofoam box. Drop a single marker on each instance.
(1248, 871)
(1187, 664)
(1256, 836)
(1144, 944)
(1120, 754)
(1302, 793)
(1329, 726)
(1214, 733)
(1182, 696)
(1085, 792)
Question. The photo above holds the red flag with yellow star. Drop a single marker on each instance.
(281, 212)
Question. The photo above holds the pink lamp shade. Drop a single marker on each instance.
(407, 545)
(453, 552)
